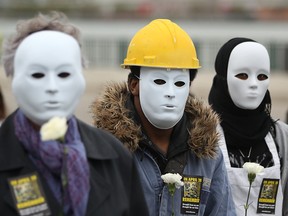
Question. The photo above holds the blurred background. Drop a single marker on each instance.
(108, 25)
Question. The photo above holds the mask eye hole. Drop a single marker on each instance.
(159, 81)
(63, 74)
(262, 77)
(242, 76)
(38, 75)
(179, 83)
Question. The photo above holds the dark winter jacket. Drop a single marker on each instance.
(113, 177)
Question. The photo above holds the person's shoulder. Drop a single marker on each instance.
(281, 124)
(281, 129)
(6, 125)
(91, 130)
(92, 133)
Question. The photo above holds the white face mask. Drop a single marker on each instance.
(163, 95)
(48, 79)
(248, 74)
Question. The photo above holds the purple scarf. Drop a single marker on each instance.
(48, 158)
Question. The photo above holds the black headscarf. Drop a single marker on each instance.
(242, 128)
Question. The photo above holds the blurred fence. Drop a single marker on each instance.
(105, 42)
(102, 52)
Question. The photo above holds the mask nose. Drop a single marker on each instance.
(52, 86)
(170, 91)
(254, 83)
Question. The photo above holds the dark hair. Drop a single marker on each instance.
(55, 21)
(135, 73)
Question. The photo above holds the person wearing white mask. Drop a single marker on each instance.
(84, 171)
(168, 130)
(240, 95)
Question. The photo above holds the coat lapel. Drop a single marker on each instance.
(99, 192)
(98, 150)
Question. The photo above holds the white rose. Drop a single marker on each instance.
(253, 167)
(172, 178)
(54, 129)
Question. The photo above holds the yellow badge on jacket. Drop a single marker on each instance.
(191, 192)
(28, 195)
(267, 196)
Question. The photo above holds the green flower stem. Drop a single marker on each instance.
(172, 189)
(251, 178)
(172, 197)
(246, 206)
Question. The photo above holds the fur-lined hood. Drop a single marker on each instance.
(109, 113)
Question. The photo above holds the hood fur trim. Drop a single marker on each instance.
(109, 113)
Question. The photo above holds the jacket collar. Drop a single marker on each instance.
(110, 113)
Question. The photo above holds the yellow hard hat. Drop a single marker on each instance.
(163, 44)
